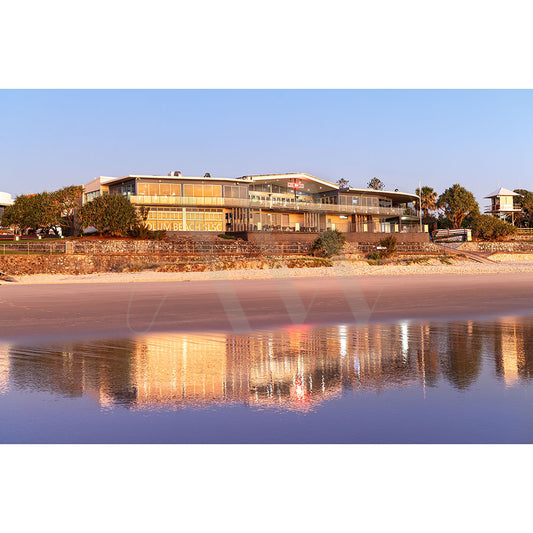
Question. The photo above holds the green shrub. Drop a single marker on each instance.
(490, 228)
(112, 214)
(159, 235)
(142, 231)
(374, 256)
(417, 260)
(390, 244)
(328, 243)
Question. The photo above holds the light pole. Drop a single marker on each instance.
(420, 204)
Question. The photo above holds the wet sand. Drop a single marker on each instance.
(68, 310)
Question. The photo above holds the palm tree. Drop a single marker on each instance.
(428, 200)
(343, 184)
(376, 184)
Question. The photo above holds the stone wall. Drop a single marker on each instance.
(497, 247)
(19, 265)
(401, 247)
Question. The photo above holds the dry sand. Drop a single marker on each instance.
(340, 268)
(97, 305)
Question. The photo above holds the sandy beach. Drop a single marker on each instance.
(104, 305)
(340, 269)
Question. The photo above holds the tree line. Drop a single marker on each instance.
(46, 211)
(62, 212)
(49, 212)
(457, 208)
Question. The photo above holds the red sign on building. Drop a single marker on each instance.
(295, 185)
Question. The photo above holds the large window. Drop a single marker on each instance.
(234, 191)
(90, 196)
(202, 191)
(177, 219)
(159, 189)
(126, 188)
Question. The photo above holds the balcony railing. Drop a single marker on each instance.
(185, 201)
(497, 208)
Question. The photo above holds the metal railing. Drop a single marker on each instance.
(153, 248)
(28, 248)
(214, 202)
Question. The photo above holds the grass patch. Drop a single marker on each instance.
(417, 261)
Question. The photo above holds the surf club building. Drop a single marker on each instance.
(283, 203)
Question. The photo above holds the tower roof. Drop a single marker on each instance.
(502, 192)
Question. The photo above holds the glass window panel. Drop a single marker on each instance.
(188, 190)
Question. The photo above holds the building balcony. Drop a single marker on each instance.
(497, 209)
(290, 206)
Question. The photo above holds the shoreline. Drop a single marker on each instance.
(54, 311)
(341, 268)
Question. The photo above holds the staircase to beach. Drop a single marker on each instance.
(453, 248)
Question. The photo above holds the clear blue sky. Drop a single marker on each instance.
(479, 138)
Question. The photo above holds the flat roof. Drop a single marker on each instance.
(110, 181)
(254, 178)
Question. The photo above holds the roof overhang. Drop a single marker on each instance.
(311, 184)
(170, 178)
(397, 195)
(502, 192)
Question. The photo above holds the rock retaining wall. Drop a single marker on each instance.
(497, 247)
(401, 247)
(20, 265)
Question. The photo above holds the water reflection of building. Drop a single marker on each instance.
(512, 345)
(4, 368)
(291, 369)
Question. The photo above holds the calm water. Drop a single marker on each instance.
(440, 382)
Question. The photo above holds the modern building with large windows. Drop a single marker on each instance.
(284, 203)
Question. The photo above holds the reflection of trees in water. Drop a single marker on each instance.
(461, 364)
(68, 370)
(54, 370)
(287, 367)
